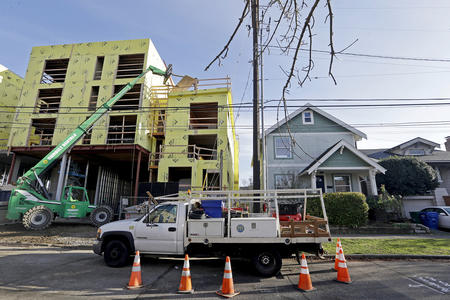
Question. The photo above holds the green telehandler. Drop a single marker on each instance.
(30, 200)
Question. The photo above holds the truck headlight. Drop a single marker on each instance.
(99, 233)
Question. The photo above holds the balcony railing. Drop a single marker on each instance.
(182, 151)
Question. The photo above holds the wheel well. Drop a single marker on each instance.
(124, 237)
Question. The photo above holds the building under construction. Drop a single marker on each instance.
(10, 88)
(64, 84)
(194, 136)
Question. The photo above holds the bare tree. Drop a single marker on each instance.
(291, 32)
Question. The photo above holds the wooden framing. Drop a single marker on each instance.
(311, 227)
(55, 70)
(121, 129)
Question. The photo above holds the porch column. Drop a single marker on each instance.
(313, 180)
(373, 183)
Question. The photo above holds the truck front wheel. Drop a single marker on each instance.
(116, 254)
(37, 218)
(267, 263)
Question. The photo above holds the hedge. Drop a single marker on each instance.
(346, 209)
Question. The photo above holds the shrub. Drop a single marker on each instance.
(407, 176)
(347, 209)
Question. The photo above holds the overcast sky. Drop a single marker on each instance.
(188, 34)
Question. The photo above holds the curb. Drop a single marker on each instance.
(63, 247)
(327, 257)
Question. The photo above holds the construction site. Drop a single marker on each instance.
(158, 138)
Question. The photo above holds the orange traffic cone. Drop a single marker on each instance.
(342, 273)
(304, 280)
(336, 260)
(185, 283)
(227, 290)
(135, 278)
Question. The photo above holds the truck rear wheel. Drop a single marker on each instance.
(101, 215)
(267, 263)
(116, 254)
(37, 218)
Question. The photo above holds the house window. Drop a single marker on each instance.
(99, 67)
(283, 147)
(93, 99)
(308, 117)
(416, 152)
(284, 181)
(48, 101)
(342, 183)
(129, 101)
(130, 66)
(203, 116)
(55, 70)
(202, 146)
(44, 130)
(88, 136)
(121, 130)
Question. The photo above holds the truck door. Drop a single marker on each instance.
(157, 233)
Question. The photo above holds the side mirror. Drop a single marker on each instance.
(442, 214)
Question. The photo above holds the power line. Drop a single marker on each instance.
(367, 125)
(207, 107)
(368, 55)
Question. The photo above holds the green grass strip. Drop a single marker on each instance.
(391, 246)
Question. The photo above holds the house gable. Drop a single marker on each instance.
(418, 146)
(344, 159)
(321, 124)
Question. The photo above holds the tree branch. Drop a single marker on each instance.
(225, 49)
(332, 53)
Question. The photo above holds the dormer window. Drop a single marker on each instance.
(308, 117)
(416, 152)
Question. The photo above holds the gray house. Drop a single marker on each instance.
(426, 151)
(322, 154)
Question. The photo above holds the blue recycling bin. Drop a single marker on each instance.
(432, 220)
(213, 208)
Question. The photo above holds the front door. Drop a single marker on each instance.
(320, 182)
(157, 233)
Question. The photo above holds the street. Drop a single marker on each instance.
(29, 273)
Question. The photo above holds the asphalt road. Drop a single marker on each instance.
(49, 273)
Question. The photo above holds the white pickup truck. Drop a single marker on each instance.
(177, 226)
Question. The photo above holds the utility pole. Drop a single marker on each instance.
(263, 136)
(256, 164)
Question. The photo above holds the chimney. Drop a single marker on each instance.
(447, 143)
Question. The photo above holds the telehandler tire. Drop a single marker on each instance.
(37, 218)
(101, 215)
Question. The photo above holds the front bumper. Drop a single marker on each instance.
(97, 248)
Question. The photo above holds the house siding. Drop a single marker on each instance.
(321, 124)
(346, 159)
(312, 144)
